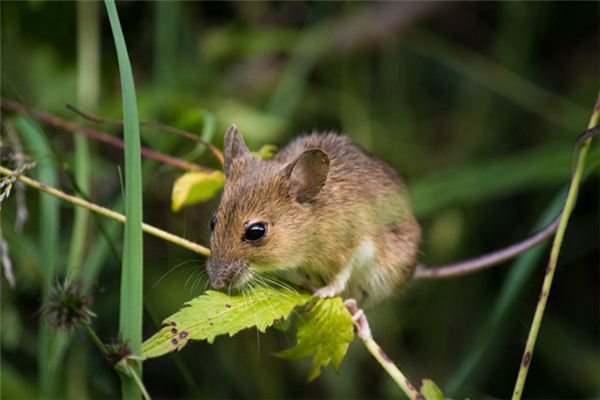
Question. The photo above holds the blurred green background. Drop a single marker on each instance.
(478, 105)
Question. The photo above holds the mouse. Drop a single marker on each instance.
(321, 213)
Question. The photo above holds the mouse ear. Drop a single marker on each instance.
(307, 174)
(234, 147)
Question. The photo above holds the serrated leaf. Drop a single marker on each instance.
(215, 313)
(194, 187)
(267, 151)
(431, 391)
(325, 331)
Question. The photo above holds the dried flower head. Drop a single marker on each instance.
(117, 351)
(68, 306)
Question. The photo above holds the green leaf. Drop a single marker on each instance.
(431, 391)
(194, 187)
(214, 313)
(325, 331)
(267, 151)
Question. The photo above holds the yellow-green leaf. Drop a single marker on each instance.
(215, 313)
(431, 391)
(267, 151)
(194, 187)
(325, 331)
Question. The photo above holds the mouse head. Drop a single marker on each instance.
(265, 212)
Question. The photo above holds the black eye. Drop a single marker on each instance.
(255, 232)
(212, 223)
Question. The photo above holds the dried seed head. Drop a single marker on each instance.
(68, 306)
(117, 351)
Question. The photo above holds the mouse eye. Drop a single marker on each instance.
(212, 223)
(255, 232)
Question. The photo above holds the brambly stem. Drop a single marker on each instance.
(390, 367)
(100, 136)
(152, 230)
(554, 253)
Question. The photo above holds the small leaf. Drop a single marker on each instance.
(325, 331)
(267, 151)
(194, 187)
(214, 313)
(431, 391)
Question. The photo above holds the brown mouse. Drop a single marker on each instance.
(322, 212)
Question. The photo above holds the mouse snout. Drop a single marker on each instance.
(224, 273)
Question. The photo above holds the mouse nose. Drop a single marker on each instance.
(223, 273)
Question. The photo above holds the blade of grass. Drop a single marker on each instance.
(130, 321)
(88, 88)
(498, 79)
(291, 86)
(167, 19)
(88, 85)
(38, 146)
(476, 183)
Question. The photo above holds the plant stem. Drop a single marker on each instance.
(150, 229)
(391, 368)
(96, 340)
(47, 257)
(554, 253)
(218, 154)
(131, 371)
(53, 120)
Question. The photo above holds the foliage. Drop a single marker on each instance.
(267, 151)
(326, 332)
(215, 313)
(431, 391)
(194, 187)
(477, 113)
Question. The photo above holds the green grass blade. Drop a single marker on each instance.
(167, 18)
(541, 167)
(130, 318)
(38, 146)
(499, 79)
(289, 91)
(88, 87)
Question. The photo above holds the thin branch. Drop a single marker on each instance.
(66, 125)
(152, 230)
(363, 331)
(116, 122)
(554, 253)
(391, 368)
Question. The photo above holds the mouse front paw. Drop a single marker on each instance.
(327, 291)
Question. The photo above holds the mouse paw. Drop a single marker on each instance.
(327, 291)
(359, 319)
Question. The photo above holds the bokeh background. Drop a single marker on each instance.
(477, 104)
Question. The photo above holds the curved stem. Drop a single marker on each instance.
(180, 132)
(57, 122)
(363, 331)
(391, 368)
(152, 230)
(554, 253)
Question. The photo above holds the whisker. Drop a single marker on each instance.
(172, 270)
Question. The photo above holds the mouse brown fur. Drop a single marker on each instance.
(324, 211)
